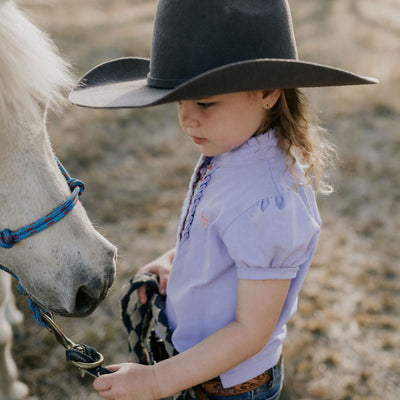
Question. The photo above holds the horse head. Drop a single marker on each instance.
(69, 267)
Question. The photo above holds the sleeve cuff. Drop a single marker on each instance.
(245, 272)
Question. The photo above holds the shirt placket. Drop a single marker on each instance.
(203, 177)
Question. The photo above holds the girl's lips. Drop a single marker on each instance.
(199, 140)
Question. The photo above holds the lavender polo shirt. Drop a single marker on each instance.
(245, 220)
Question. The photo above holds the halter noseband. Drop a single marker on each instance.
(9, 238)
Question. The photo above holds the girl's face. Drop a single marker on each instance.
(221, 123)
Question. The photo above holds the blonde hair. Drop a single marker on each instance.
(301, 138)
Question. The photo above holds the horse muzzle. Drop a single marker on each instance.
(91, 293)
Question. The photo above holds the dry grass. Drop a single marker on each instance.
(344, 341)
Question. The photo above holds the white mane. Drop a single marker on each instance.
(31, 69)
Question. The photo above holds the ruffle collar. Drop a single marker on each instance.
(256, 148)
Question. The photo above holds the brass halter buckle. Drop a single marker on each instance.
(68, 344)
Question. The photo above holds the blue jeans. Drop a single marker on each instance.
(269, 391)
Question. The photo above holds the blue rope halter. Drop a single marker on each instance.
(9, 238)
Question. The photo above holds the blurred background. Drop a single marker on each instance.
(344, 342)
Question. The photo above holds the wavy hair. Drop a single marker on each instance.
(302, 139)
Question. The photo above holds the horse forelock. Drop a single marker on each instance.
(32, 72)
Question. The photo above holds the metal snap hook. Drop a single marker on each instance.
(68, 344)
(61, 337)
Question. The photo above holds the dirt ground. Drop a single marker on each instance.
(344, 342)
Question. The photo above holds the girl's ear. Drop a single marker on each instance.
(270, 97)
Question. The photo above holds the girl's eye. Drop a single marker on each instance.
(205, 105)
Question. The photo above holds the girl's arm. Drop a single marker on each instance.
(259, 306)
(258, 309)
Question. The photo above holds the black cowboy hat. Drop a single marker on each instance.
(207, 47)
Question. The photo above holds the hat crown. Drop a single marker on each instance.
(192, 37)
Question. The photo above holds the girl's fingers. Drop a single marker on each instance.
(113, 368)
(107, 394)
(142, 294)
(163, 283)
(101, 384)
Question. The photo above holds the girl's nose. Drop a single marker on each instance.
(187, 114)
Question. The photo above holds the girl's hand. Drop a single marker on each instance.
(162, 268)
(127, 382)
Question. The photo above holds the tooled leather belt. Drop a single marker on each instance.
(214, 386)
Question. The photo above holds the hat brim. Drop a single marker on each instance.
(122, 83)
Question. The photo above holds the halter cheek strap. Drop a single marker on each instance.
(9, 238)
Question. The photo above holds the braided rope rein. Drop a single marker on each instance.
(9, 238)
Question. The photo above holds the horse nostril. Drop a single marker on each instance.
(85, 302)
(95, 288)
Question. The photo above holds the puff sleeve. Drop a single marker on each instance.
(274, 237)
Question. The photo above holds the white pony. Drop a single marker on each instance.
(68, 268)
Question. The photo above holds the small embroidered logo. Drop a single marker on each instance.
(205, 219)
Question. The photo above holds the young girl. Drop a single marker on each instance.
(249, 224)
